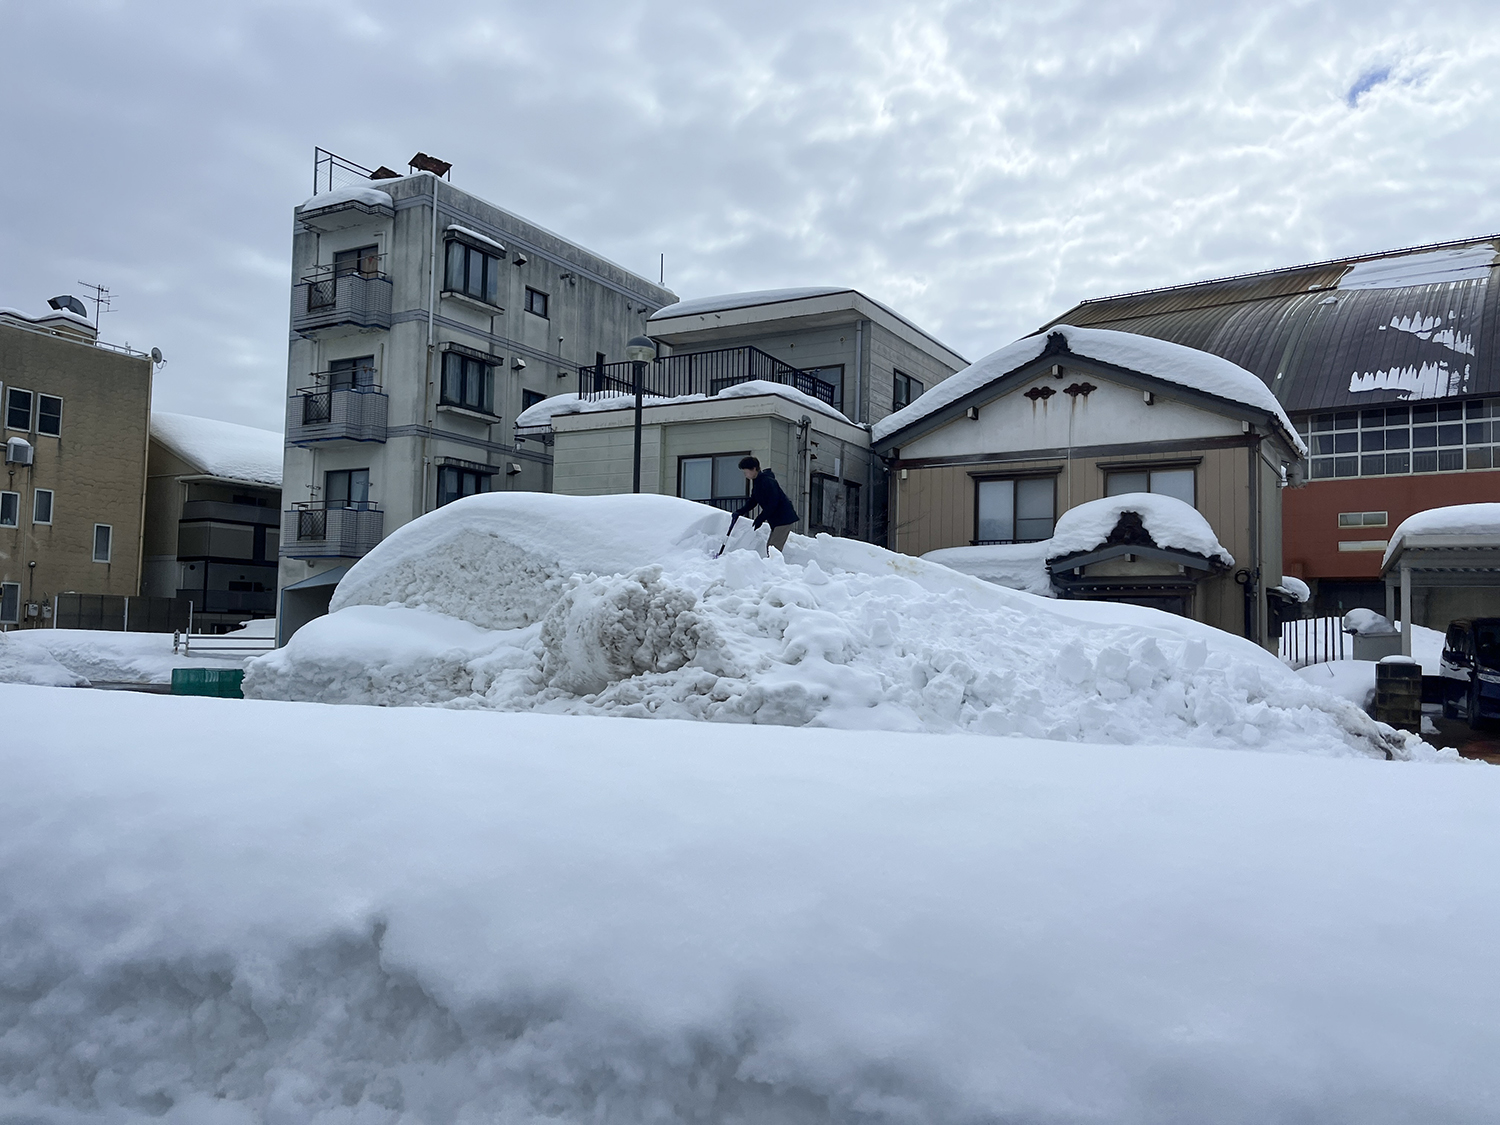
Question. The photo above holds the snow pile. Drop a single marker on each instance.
(614, 605)
(1467, 520)
(107, 657)
(1353, 680)
(1174, 363)
(543, 412)
(372, 197)
(221, 449)
(231, 912)
(1294, 588)
(1170, 522)
(1021, 566)
(1433, 267)
(22, 662)
(1368, 623)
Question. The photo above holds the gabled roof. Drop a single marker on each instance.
(1418, 323)
(1186, 373)
(221, 449)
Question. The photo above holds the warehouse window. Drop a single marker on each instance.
(1364, 519)
(1396, 440)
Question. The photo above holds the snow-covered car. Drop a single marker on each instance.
(1471, 669)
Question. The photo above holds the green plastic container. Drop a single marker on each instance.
(222, 683)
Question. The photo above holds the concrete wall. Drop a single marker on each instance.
(96, 468)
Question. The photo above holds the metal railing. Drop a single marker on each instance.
(329, 296)
(700, 373)
(231, 601)
(331, 172)
(1313, 640)
(331, 529)
(228, 513)
(328, 413)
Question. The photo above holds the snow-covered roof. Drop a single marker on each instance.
(543, 412)
(725, 301)
(1433, 267)
(1171, 524)
(1173, 363)
(371, 196)
(221, 449)
(1019, 566)
(1456, 519)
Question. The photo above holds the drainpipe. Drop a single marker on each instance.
(1252, 587)
(805, 438)
(859, 373)
(427, 393)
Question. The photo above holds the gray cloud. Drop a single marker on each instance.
(980, 166)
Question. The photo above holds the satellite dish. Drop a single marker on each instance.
(156, 356)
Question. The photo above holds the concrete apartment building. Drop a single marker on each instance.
(423, 321)
(790, 376)
(76, 416)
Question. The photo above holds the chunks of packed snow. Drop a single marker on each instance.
(1170, 522)
(372, 197)
(1476, 520)
(1294, 588)
(1021, 566)
(543, 412)
(616, 605)
(1432, 267)
(482, 239)
(221, 449)
(1174, 363)
(22, 662)
(1368, 623)
(1353, 680)
(235, 911)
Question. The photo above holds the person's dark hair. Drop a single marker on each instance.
(749, 463)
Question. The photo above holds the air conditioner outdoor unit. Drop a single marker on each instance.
(18, 451)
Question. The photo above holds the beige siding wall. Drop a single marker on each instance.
(96, 469)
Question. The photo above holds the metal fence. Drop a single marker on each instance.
(1313, 640)
(120, 614)
(700, 373)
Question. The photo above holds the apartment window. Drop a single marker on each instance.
(365, 261)
(103, 542)
(536, 301)
(834, 505)
(10, 509)
(346, 374)
(905, 391)
(347, 488)
(834, 376)
(472, 272)
(1396, 440)
(455, 483)
(468, 382)
(1179, 483)
(49, 415)
(10, 603)
(715, 480)
(1014, 510)
(41, 506)
(1364, 519)
(18, 409)
(531, 398)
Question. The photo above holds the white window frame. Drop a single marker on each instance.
(37, 415)
(16, 502)
(110, 545)
(51, 506)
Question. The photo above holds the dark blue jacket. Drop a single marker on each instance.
(775, 508)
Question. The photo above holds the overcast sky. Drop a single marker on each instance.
(978, 166)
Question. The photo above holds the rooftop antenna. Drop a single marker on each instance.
(663, 268)
(101, 299)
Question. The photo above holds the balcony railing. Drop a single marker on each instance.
(701, 373)
(331, 529)
(231, 601)
(228, 513)
(321, 412)
(332, 296)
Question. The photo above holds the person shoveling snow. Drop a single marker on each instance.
(775, 508)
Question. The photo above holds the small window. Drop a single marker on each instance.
(468, 382)
(103, 542)
(49, 415)
(18, 409)
(472, 272)
(351, 374)
(905, 391)
(455, 483)
(41, 506)
(531, 398)
(1364, 519)
(10, 509)
(10, 603)
(715, 480)
(347, 488)
(1177, 483)
(536, 301)
(835, 506)
(364, 261)
(1018, 510)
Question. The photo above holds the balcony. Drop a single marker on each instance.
(231, 601)
(701, 373)
(331, 529)
(229, 513)
(340, 297)
(321, 412)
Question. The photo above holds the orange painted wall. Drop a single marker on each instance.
(1310, 517)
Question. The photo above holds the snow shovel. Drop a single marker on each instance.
(733, 520)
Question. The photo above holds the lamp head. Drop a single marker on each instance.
(640, 349)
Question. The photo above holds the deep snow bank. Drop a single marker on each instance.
(615, 605)
(356, 915)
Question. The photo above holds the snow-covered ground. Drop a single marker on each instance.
(616, 605)
(101, 656)
(238, 911)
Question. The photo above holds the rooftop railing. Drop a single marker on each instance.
(700, 373)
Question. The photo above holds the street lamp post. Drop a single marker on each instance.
(641, 350)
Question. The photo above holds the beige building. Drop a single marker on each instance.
(76, 417)
(1056, 420)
